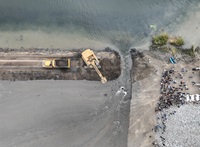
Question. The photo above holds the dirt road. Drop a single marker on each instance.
(26, 64)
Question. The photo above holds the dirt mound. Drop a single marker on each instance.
(109, 61)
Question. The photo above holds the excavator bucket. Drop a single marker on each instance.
(91, 60)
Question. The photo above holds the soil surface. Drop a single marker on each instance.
(61, 113)
(86, 113)
(64, 113)
(26, 64)
(148, 69)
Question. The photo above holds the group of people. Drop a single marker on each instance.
(173, 91)
(171, 94)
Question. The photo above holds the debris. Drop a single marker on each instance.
(172, 60)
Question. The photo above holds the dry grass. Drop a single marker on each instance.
(176, 41)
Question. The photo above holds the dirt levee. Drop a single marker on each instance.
(26, 64)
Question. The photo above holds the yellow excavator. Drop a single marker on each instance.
(91, 61)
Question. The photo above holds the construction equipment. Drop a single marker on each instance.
(56, 63)
(91, 61)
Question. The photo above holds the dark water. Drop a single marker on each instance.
(124, 23)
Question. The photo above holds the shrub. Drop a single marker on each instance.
(177, 41)
(160, 39)
(189, 52)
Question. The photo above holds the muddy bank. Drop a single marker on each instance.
(109, 61)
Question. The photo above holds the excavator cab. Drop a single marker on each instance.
(91, 61)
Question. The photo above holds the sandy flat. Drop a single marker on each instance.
(60, 113)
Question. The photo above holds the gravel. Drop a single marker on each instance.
(182, 126)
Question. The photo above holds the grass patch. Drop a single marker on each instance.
(161, 39)
(177, 41)
(164, 49)
(165, 43)
(189, 52)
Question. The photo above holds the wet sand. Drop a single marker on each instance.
(49, 39)
(60, 113)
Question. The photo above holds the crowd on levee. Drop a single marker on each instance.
(171, 94)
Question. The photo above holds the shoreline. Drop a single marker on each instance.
(149, 66)
(146, 72)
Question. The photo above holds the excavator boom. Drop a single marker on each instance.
(91, 60)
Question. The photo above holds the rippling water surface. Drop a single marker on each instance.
(119, 24)
(91, 23)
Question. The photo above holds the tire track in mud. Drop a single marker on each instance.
(111, 119)
(114, 112)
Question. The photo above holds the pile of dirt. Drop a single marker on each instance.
(140, 68)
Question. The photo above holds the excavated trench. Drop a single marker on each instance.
(26, 64)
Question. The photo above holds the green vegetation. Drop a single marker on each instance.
(164, 49)
(177, 41)
(189, 52)
(165, 43)
(164, 38)
(161, 39)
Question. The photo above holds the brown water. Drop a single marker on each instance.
(80, 113)
(92, 23)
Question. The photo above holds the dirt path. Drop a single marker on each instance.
(144, 99)
(26, 64)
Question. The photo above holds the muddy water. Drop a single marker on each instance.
(88, 23)
(78, 113)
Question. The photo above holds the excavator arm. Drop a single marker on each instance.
(91, 61)
(103, 79)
